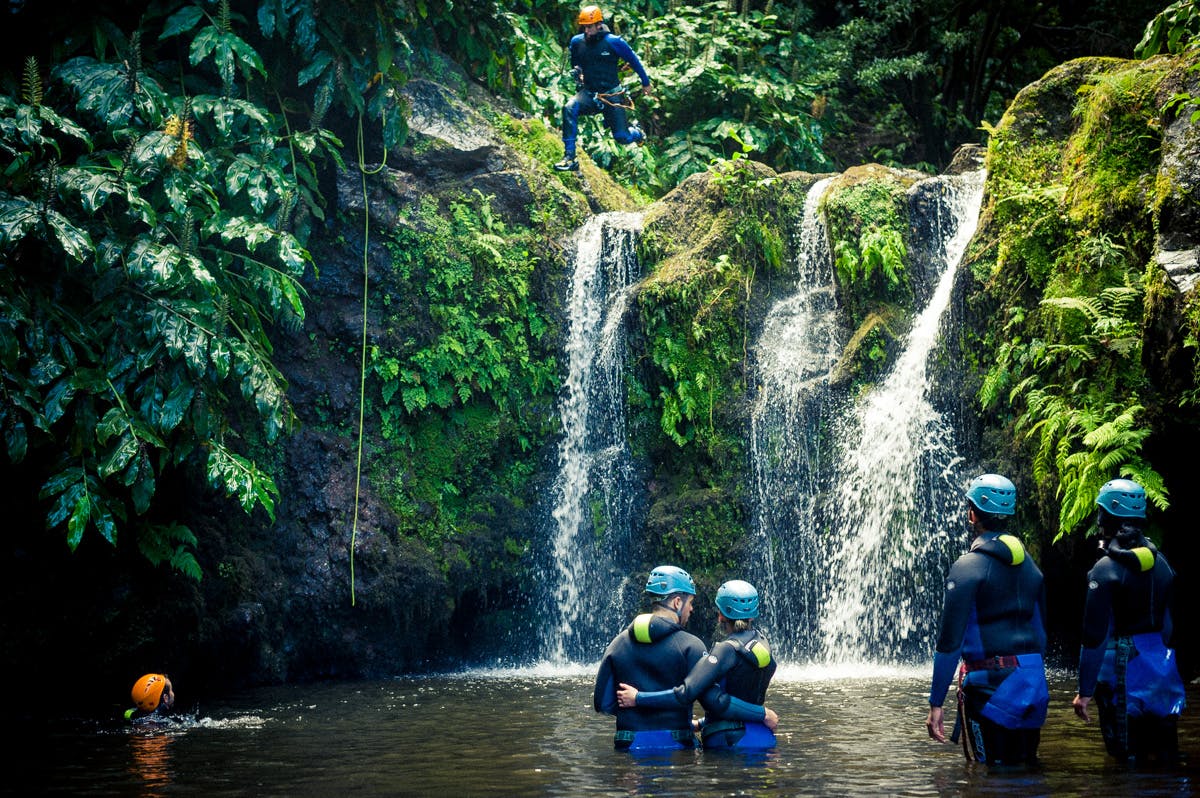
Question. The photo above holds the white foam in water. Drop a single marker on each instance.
(847, 671)
(539, 670)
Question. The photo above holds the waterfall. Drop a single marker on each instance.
(594, 494)
(798, 346)
(856, 553)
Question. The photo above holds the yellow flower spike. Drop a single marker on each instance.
(182, 130)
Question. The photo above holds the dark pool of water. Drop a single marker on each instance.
(856, 731)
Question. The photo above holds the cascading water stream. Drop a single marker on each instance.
(799, 344)
(594, 494)
(855, 548)
(897, 496)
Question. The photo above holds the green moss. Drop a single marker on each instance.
(1069, 242)
(866, 213)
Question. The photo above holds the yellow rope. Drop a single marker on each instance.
(362, 379)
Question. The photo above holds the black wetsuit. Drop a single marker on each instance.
(731, 684)
(994, 619)
(598, 58)
(1124, 660)
(658, 654)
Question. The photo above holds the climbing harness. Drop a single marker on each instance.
(624, 100)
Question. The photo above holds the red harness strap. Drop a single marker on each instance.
(990, 664)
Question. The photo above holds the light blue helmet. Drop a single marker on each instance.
(737, 600)
(667, 579)
(994, 494)
(1123, 498)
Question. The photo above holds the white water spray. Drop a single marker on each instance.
(856, 501)
(594, 493)
(795, 353)
(897, 497)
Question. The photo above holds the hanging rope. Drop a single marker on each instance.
(362, 371)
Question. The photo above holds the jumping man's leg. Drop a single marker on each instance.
(581, 103)
(622, 131)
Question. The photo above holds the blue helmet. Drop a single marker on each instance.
(667, 579)
(1123, 498)
(994, 494)
(737, 600)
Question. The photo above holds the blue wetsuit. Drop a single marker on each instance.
(1124, 660)
(599, 59)
(731, 684)
(656, 652)
(994, 620)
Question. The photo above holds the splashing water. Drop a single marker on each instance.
(856, 500)
(595, 492)
(897, 496)
(798, 347)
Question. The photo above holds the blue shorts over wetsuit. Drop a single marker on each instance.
(1124, 660)
(731, 684)
(994, 620)
(599, 58)
(656, 652)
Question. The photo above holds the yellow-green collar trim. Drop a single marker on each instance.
(1014, 546)
(641, 628)
(1145, 557)
(761, 653)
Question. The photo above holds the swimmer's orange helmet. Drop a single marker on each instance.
(147, 691)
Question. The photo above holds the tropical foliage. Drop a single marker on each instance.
(147, 245)
(1067, 335)
(163, 166)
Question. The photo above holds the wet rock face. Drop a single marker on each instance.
(280, 595)
(1179, 209)
(451, 148)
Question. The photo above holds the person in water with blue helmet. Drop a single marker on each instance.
(655, 651)
(1125, 662)
(730, 683)
(596, 55)
(994, 621)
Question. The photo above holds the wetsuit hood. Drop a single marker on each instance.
(1132, 550)
(1003, 547)
(650, 628)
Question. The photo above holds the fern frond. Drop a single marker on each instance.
(1088, 306)
(31, 83)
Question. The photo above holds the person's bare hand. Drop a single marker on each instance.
(771, 720)
(1081, 707)
(626, 696)
(935, 724)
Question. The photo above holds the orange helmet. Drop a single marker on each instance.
(147, 691)
(589, 15)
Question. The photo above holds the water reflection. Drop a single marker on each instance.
(533, 733)
(150, 759)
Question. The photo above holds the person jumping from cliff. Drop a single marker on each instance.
(595, 58)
